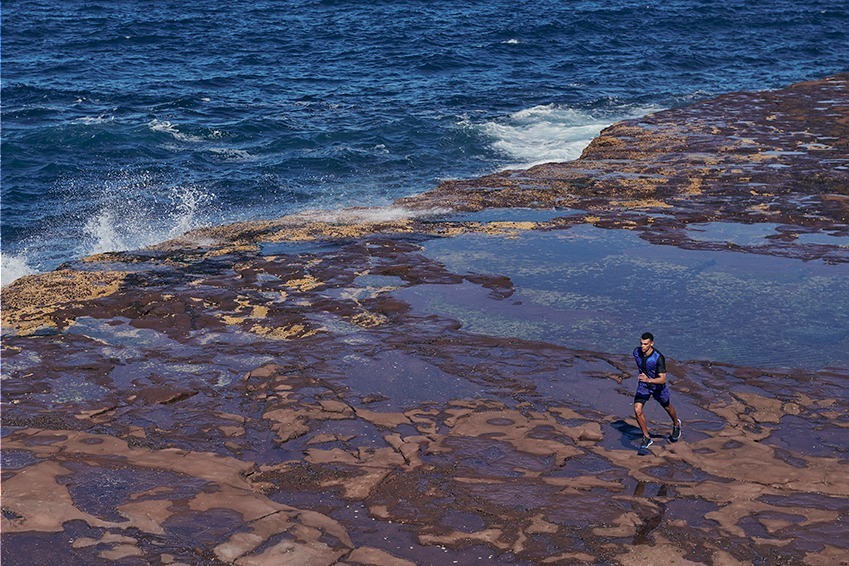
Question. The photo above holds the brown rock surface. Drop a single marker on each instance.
(272, 393)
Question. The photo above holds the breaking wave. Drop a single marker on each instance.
(126, 221)
(550, 133)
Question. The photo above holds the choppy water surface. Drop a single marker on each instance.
(126, 123)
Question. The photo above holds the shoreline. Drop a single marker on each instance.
(567, 181)
(372, 388)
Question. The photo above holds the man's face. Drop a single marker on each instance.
(646, 345)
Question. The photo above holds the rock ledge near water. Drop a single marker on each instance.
(271, 392)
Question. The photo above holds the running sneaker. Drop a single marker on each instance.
(646, 443)
(676, 432)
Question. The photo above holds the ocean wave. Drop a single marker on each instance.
(94, 119)
(551, 132)
(230, 154)
(164, 126)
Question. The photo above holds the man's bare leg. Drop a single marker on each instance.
(673, 414)
(641, 419)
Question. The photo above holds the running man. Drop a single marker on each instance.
(652, 366)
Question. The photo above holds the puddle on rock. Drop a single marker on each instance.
(732, 232)
(16, 459)
(400, 377)
(119, 332)
(595, 289)
(825, 239)
(379, 281)
(73, 389)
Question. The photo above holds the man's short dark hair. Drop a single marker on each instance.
(647, 336)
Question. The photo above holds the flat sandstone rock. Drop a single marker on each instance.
(269, 393)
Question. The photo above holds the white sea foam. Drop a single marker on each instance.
(357, 215)
(167, 127)
(95, 119)
(230, 154)
(12, 267)
(549, 133)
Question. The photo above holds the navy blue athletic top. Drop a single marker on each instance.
(652, 364)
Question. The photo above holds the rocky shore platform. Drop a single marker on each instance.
(448, 380)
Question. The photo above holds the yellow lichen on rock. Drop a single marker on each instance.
(305, 283)
(506, 228)
(369, 319)
(694, 187)
(284, 332)
(29, 302)
(234, 248)
(232, 320)
(329, 230)
(259, 311)
(642, 203)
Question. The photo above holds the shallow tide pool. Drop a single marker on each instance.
(597, 289)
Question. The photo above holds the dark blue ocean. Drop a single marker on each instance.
(125, 123)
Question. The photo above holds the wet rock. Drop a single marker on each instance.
(313, 389)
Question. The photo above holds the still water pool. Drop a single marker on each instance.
(596, 289)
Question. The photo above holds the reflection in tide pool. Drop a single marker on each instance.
(596, 289)
(735, 233)
(756, 234)
(826, 239)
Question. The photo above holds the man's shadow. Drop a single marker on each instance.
(629, 432)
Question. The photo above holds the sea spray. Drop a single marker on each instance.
(125, 220)
(13, 267)
(132, 210)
